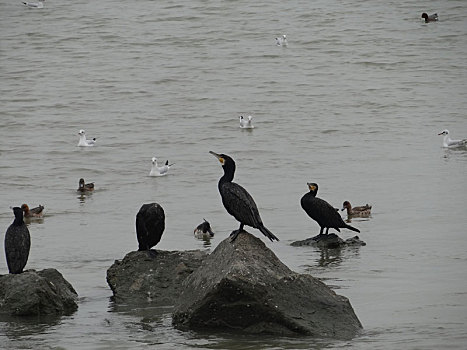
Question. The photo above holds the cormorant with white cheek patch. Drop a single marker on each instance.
(237, 201)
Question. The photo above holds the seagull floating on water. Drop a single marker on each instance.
(447, 142)
(430, 18)
(83, 142)
(203, 230)
(39, 4)
(157, 170)
(246, 123)
(281, 40)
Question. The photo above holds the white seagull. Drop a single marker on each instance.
(39, 4)
(157, 170)
(83, 142)
(447, 142)
(281, 40)
(246, 124)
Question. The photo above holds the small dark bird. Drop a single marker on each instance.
(17, 243)
(203, 230)
(85, 187)
(237, 201)
(430, 18)
(150, 224)
(322, 212)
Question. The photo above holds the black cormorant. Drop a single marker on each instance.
(150, 224)
(322, 212)
(17, 243)
(237, 201)
(203, 230)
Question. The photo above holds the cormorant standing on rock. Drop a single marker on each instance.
(17, 243)
(322, 212)
(150, 224)
(237, 201)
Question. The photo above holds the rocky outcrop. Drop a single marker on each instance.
(329, 241)
(36, 293)
(152, 277)
(244, 286)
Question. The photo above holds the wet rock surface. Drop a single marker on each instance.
(152, 277)
(243, 286)
(36, 293)
(329, 241)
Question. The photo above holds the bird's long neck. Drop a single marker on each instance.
(229, 172)
(18, 219)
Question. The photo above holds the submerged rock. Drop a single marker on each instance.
(329, 241)
(153, 276)
(36, 293)
(244, 286)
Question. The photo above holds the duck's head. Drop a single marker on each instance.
(81, 183)
(346, 205)
(25, 208)
(444, 132)
(425, 15)
(313, 187)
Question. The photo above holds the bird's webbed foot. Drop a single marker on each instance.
(234, 235)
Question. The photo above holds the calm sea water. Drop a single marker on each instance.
(354, 103)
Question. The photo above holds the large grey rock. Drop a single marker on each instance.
(153, 277)
(36, 293)
(330, 241)
(244, 286)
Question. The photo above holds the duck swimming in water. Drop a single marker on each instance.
(237, 201)
(447, 142)
(17, 243)
(36, 212)
(361, 211)
(85, 187)
(83, 141)
(430, 18)
(246, 123)
(322, 212)
(157, 170)
(203, 230)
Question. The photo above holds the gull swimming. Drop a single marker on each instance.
(246, 123)
(447, 142)
(157, 170)
(281, 40)
(39, 4)
(83, 142)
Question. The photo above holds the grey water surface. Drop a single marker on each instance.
(354, 103)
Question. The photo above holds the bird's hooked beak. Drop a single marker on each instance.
(311, 187)
(218, 156)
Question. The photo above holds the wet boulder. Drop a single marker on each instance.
(36, 293)
(243, 286)
(152, 277)
(330, 241)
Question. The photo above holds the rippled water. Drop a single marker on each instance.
(354, 103)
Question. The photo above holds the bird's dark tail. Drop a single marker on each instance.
(268, 233)
(352, 228)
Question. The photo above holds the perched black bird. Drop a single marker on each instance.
(150, 224)
(322, 212)
(237, 201)
(203, 230)
(17, 243)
